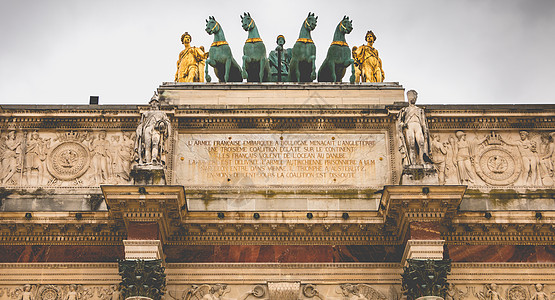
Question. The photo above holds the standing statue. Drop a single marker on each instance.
(303, 60)
(190, 65)
(275, 65)
(256, 67)
(368, 65)
(338, 58)
(413, 132)
(152, 133)
(220, 57)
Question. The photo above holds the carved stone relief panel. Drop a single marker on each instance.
(62, 292)
(495, 159)
(31, 159)
(282, 291)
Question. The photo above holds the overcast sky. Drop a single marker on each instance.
(451, 52)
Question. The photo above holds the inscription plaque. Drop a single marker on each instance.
(282, 159)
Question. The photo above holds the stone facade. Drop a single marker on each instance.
(286, 191)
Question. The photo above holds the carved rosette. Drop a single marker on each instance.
(517, 292)
(67, 161)
(497, 166)
(49, 292)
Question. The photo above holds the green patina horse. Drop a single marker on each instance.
(255, 64)
(303, 61)
(339, 55)
(220, 57)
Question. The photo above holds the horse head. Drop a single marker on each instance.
(310, 21)
(212, 26)
(346, 25)
(247, 22)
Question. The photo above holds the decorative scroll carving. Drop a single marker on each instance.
(426, 277)
(207, 292)
(360, 291)
(142, 278)
(284, 290)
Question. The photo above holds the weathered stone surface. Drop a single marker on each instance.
(282, 93)
(262, 159)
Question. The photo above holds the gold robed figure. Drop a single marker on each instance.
(190, 65)
(368, 65)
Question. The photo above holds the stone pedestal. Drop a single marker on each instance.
(419, 175)
(148, 175)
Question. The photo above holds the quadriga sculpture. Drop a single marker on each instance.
(220, 57)
(255, 63)
(303, 60)
(339, 55)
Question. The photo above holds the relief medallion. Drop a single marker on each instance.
(68, 161)
(497, 165)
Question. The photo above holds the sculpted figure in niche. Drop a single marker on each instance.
(100, 157)
(368, 65)
(35, 156)
(463, 158)
(529, 153)
(152, 133)
(10, 151)
(191, 62)
(413, 132)
(547, 152)
(439, 153)
(540, 294)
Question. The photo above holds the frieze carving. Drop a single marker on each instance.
(206, 292)
(52, 292)
(70, 159)
(65, 158)
(495, 159)
(360, 291)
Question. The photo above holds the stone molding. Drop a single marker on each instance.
(143, 249)
(423, 249)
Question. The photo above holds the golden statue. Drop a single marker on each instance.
(368, 65)
(190, 65)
